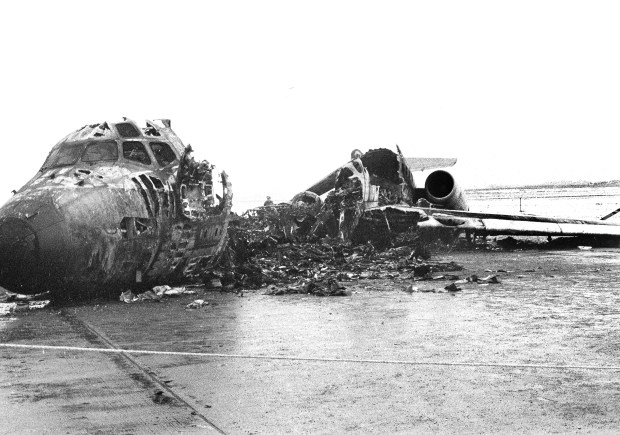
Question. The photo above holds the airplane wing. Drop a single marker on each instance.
(490, 223)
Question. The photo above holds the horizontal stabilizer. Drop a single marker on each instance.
(424, 163)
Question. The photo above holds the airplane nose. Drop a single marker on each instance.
(19, 254)
(32, 243)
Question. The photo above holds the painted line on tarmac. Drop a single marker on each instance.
(74, 321)
(300, 358)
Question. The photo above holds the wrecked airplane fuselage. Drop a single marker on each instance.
(374, 196)
(375, 179)
(113, 205)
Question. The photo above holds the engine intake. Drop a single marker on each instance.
(441, 189)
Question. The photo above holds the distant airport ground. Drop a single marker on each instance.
(579, 201)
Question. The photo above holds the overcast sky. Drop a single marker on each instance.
(279, 93)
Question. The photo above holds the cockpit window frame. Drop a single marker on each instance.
(128, 130)
(92, 162)
(64, 145)
(146, 150)
(156, 155)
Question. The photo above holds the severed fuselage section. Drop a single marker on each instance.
(114, 205)
(374, 196)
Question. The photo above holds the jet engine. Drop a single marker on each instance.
(441, 189)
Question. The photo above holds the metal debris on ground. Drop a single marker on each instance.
(452, 288)
(127, 297)
(11, 302)
(9, 296)
(155, 295)
(198, 303)
(491, 279)
(261, 252)
(37, 305)
(8, 308)
(329, 287)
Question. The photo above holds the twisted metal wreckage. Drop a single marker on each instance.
(374, 196)
(113, 204)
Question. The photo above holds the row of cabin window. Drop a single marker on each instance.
(106, 151)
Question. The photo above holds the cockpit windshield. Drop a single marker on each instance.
(65, 154)
(100, 151)
(92, 152)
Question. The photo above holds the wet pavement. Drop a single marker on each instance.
(536, 353)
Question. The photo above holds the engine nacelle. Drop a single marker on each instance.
(441, 189)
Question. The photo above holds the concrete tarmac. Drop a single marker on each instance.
(538, 352)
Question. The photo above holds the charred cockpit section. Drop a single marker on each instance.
(113, 205)
(195, 179)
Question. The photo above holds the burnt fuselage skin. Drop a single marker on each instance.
(374, 196)
(114, 205)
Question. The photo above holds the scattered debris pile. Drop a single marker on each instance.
(197, 304)
(12, 302)
(453, 287)
(156, 294)
(161, 292)
(260, 254)
(328, 287)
